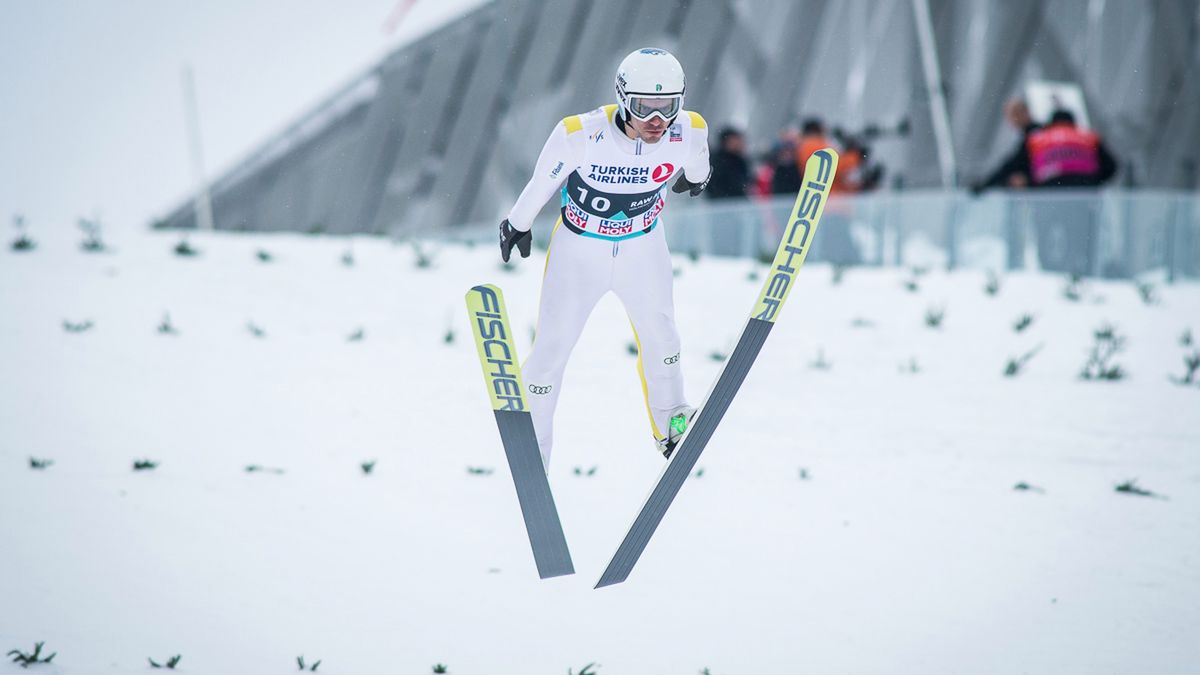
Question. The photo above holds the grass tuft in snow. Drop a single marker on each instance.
(911, 367)
(934, 317)
(171, 662)
(313, 669)
(368, 467)
(839, 273)
(77, 327)
(631, 348)
(255, 468)
(718, 355)
(264, 255)
(423, 258)
(92, 241)
(1024, 321)
(1130, 487)
(1192, 363)
(357, 336)
(22, 243)
(580, 471)
(31, 658)
(255, 330)
(862, 322)
(589, 669)
(480, 470)
(40, 464)
(441, 668)
(1147, 291)
(913, 283)
(144, 465)
(165, 327)
(992, 287)
(1072, 291)
(184, 250)
(1108, 343)
(804, 474)
(1186, 339)
(1015, 364)
(1026, 487)
(820, 363)
(676, 272)
(698, 473)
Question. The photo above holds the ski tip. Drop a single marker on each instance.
(482, 289)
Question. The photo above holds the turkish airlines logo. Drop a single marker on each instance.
(662, 172)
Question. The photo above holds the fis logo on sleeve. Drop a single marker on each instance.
(557, 169)
(676, 134)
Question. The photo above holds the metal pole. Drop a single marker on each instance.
(937, 96)
(203, 207)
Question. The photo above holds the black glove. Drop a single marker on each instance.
(685, 185)
(511, 236)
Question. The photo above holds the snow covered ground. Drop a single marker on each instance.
(855, 519)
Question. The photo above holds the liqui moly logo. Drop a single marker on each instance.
(575, 215)
(798, 235)
(649, 217)
(614, 228)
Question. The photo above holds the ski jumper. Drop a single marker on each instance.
(609, 237)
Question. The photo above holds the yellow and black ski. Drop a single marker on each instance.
(501, 372)
(797, 238)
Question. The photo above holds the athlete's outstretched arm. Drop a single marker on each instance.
(560, 156)
(697, 169)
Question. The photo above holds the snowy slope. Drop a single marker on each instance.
(906, 549)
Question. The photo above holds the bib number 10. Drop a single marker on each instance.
(600, 204)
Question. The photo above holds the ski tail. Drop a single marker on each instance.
(793, 249)
(502, 374)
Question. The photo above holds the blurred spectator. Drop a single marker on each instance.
(836, 243)
(730, 168)
(812, 139)
(1013, 172)
(786, 177)
(1061, 155)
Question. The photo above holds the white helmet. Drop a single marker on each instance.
(650, 82)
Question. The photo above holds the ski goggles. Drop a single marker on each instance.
(645, 107)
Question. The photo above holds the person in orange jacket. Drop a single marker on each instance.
(837, 245)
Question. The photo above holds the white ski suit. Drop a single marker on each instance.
(610, 189)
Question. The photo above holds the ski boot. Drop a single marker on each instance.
(680, 418)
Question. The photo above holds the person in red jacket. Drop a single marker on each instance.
(1061, 155)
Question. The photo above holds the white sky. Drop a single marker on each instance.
(91, 108)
